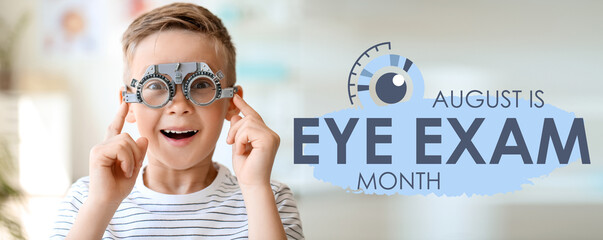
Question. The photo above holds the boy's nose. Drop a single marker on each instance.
(179, 104)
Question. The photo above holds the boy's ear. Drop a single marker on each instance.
(232, 109)
(130, 116)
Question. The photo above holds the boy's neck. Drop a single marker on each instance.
(172, 181)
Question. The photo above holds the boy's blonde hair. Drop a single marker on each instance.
(183, 16)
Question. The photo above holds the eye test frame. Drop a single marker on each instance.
(155, 89)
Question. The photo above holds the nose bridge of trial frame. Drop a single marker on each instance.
(177, 71)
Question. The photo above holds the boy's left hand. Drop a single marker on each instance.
(254, 146)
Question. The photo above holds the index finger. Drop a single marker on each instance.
(118, 122)
(244, 107)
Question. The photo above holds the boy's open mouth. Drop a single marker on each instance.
(179, 134)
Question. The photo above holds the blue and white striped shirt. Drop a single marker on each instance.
(216, 212)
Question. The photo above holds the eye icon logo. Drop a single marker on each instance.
(380, 78)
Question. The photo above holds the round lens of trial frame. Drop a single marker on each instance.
(202, 90)
(155, 92)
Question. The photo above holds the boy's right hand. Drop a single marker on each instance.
(116, 162)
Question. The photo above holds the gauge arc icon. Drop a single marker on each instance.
(380, 78)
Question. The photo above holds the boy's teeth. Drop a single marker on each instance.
(180, 132)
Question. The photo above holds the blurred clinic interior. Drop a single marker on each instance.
(64, 62)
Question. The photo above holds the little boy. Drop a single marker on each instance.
(182, 61)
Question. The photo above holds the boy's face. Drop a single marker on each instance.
(179, 114)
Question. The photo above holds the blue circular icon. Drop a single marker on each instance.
(379, 78)
(389, 89)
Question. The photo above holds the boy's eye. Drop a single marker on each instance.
(155, 86)
(201, 85)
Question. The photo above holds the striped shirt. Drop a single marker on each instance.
(216, 212)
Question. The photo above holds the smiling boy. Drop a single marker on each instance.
(181, 193)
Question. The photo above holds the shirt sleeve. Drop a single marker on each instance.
(287, 208)
(69, 208)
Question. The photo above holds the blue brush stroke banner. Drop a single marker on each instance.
(405, 176)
